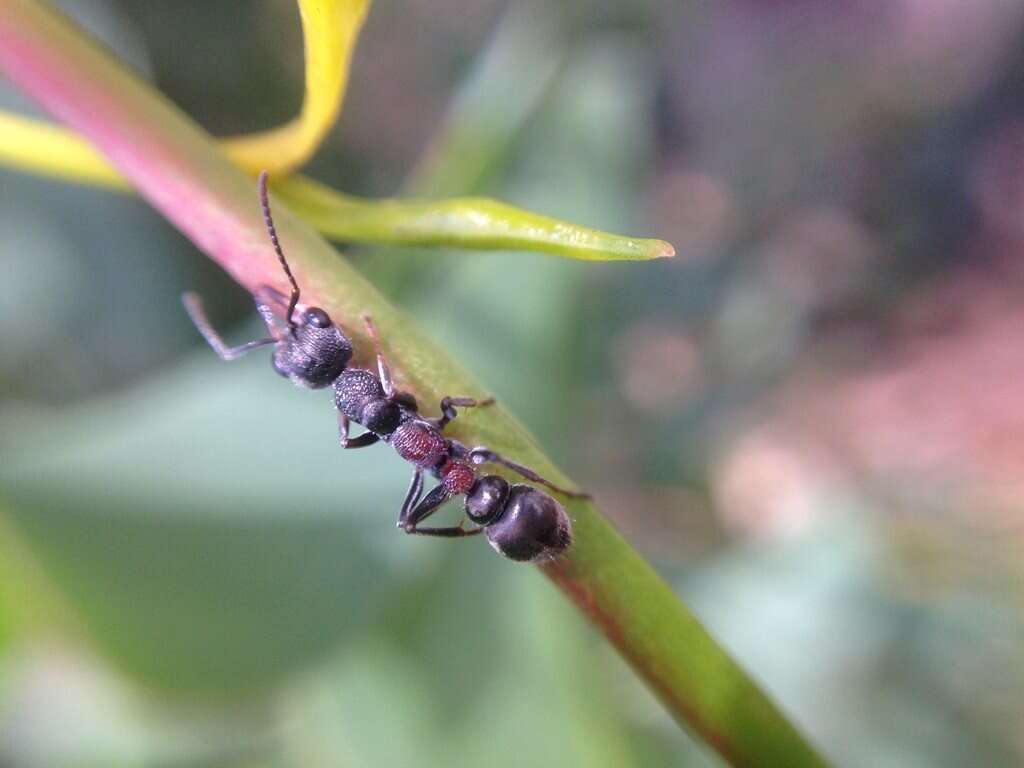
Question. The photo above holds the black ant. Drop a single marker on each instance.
(521, 522)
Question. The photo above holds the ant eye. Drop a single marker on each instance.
(317, 317)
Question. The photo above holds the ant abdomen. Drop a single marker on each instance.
(532, 527)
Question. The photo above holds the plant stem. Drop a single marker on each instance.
(182, 173)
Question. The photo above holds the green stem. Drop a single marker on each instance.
(180, 170)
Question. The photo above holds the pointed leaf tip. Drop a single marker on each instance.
(465, 222)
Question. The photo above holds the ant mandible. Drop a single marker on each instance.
(520, 521)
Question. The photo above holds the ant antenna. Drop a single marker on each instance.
(269, 221)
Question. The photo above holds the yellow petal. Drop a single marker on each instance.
(44, 148)
(330, 29)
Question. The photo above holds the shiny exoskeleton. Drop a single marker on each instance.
(521, 522)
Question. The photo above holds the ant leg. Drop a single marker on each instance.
(415, 511)
(481, 455)
(451, 532)
(382, 364)
(420, 509)
(194, 307)
(412, 497)
(448, 411)
(365, 439)
(405, 399)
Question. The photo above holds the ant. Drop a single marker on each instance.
(521, 522)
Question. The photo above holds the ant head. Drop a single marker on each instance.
(486, 499)
(315, 354)
(533, 527)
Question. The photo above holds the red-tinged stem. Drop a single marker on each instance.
(181, 172)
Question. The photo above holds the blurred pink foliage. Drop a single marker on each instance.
(938, 407)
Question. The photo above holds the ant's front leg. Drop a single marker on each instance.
(194, 307)
(448, 411)
(365, 439)
(481, 455)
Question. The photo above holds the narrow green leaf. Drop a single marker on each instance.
(467, 222)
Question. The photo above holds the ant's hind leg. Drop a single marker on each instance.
(418, 508)
(481, 455)
(448, 411)
(450, 532)
(194, 307)
(412, 497)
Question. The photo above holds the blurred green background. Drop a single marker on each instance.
(812, 420)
